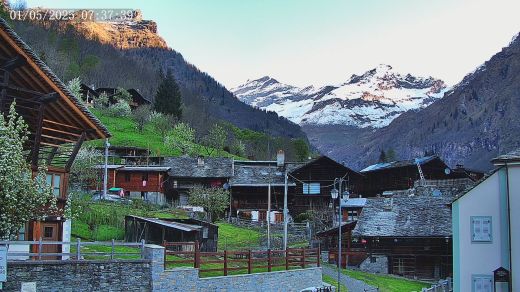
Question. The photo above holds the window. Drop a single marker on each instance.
(48, 232)
(481, 229)
(128, 177)
(54, 181)
(482, 283)
(205, 232)
(311, 188)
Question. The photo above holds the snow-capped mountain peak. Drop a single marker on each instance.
(372, 99)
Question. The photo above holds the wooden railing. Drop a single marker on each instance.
(179, 253)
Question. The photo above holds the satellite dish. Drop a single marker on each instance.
(447, 171)
(436, 193)
(226, 186)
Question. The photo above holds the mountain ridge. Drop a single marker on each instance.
(370, 100)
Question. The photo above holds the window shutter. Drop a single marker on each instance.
(482, 284)
(481, 229)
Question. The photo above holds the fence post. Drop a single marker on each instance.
(197, 255)
(142, 249)
(112, 251)
(318, 257)
(303, 258)
(78, 248)
(287, 259)
(249, 261)
(450, 288)
(225, 262)
(269, 260)
(40, 246)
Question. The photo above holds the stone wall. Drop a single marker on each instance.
(73, 275)
(147, 275)
(187, 279)
(375, 264)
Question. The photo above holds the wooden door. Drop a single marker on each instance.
(50, 232)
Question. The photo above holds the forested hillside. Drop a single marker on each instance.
(70, 55)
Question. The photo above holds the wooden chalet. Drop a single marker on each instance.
(250, 190)
(314, 181)
(186, 173)
(58, 124)
(403, 175)
(131, 155)
(88, 94)
(137, 98)
(157, 231)
(406, 236)
(144, 182)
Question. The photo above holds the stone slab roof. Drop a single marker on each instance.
(213, 167)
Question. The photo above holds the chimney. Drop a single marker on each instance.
(200, 160)
(280, 158)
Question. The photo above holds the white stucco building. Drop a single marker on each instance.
(486, 229)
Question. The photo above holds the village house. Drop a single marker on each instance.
(486, 237)
(57, 121)
(404, 175)
(185, 173)
(137, 99)
(407, 235)
(308, 187)
(88, 94)
(143, 182)
(251, 184)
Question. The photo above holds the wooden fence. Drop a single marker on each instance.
(179, 253)
(78, 250)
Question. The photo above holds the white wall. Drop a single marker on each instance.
(484, 258)
(479, 258)
(514, 197)
(67, 229)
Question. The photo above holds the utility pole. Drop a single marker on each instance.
(285, 212)
(105, 174)
(339, 232)
(269, 216)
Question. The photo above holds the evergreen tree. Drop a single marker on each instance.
(390, 155)
(168, 97)
(382, 156)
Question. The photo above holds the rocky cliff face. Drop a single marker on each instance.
(129, 34)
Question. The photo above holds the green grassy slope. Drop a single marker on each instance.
(124, 133)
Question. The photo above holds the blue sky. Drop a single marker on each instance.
(303, 42)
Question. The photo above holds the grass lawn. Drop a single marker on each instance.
(237, 238)
(330, 280)
(386, 283)
(104, 221)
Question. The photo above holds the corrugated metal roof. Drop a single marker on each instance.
(145, 168)
(402, 163)
(176, 225)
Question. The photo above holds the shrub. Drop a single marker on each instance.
(120, 109)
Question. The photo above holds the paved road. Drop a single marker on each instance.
(352, 285)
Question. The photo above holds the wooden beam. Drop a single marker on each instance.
(61, 131)
(58, 138)
(75, 151)
(37, 136)
(3, 96)
(61, 124)
(51, 155)
(13, 63)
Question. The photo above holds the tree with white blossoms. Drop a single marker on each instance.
(213, 200)
(83, 171)
(22, 196)
(74, 86)
(181, 137)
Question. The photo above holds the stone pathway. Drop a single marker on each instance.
(352, 285)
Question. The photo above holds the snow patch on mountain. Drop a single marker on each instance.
(372, 99)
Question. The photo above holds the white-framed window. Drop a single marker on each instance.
(481, 229)
(311, 188)
(54, 182)
(482, 283)
(205, 231)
